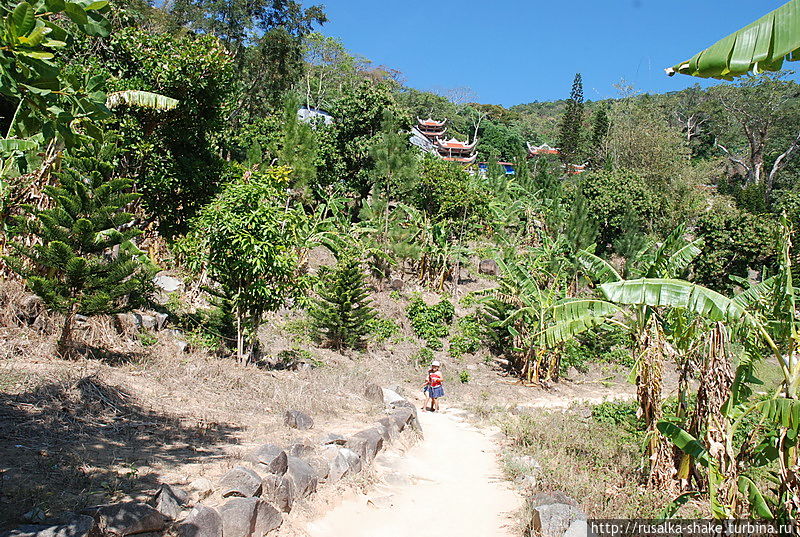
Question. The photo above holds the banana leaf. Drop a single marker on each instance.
(141, 99)
(760, 46)
(597, 269)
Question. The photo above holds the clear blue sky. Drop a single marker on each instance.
(511, 51)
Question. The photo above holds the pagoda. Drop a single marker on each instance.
(456, 151)
(544, 149)
(431, 129)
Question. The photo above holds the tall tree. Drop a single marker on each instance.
(571, 123)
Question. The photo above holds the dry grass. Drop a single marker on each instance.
(597, 464)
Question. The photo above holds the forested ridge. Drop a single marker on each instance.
(141, 139)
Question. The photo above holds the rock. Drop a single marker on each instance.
(578, 528)
(545, 498)
(527, 482)
(390, 396)
(552, 520)
(320, 465)
(203, 487)
(358, 444)
(402, 416)
(333, 438)
(472, 367)
(161, 320)
(300, 449)
(143, 321)
(390, 426)
(29, 308)
(374, 444)
(181, 345)
(303, 477)
(80, 526)
(126, 518)
(248, 517)
(488, 266)
(166, 283)
(270, 458)
(240, 481)
(339, 466)
(373, 392)
(354, 464)
(529, 463)
(168, 502)
(34, 515)
(298, 420)
(202, 521)
(396, 285)
(279, 489)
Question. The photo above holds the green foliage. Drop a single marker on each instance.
(446, 191)
(431, 323)
(469, 339)
(85, 262)
(343, 311)
(464, 376)
(735, 242)
(381, 329)
(618, 200)
(617, 413)
(423, 357)
(248, 240)
(609, 345)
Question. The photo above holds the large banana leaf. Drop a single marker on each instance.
(140, 99)
(760, 46)
(679, 294)
(598, 270)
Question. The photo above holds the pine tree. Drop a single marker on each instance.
(600, 128)
(343, 309)
(570, 137)
(82, 261)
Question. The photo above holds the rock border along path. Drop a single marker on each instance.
(449, 484)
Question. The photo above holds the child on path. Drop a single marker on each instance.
(433, 387)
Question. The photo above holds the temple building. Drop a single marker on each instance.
(544, 149)
(428, 135)
(431, 129)
(456, 151)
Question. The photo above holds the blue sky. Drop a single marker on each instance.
(510, 51)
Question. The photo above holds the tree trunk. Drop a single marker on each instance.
(65, 349)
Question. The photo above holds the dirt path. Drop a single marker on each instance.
(448, 484)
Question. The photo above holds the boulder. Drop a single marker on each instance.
(166, 283)
(358, 444)
(203, 488)
(126, 518)
(320, 465)
(552, 520)
(144, 321)
(339, 466)
(279, 489)
(392, 432)
(373, 392)
(301, 449)
(169, 502)
(271, 458)
(333, 438)
(298, 420)
(202, 521)
(80, 526)
(390, 396)
(354, 464)
(240, 481)
(29, 308)
(374, 438)
(488, 266)
(402, 416)
(578, 528)
(303, 477)
(248, 517)
(555, 496)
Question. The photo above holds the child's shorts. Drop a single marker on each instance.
(435, 392)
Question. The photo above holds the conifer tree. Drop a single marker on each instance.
(343, 309)
(600, 127)
(82, 260)
(570, 136)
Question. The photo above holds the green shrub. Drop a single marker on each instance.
(147, 338)
(603, 345)
(422, 357)
(431, 323)
(469, 340)
(380, 329)
(621, 413)
(464, 376)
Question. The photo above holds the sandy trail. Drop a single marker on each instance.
(448, 484)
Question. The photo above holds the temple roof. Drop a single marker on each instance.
(431, 122)
(463, 160)
(452, 143)
(543, 149)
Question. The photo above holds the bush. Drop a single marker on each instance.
(422, 357)
(380, 329)
(622, 413)
(464, 376)
(601, 345)
(431, 323)
(469, 340)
